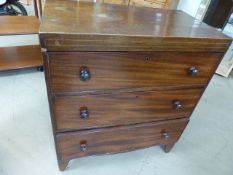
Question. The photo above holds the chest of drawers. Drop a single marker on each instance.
(122, 78)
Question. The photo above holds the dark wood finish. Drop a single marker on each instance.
(38, 8)
(35, 4)
(129, 21)
(167, 148)
(63, 165)
(122, 70)
(118, 139)
(14, 25)
(136, 84)
(20, 57)
(122, 109)
(218, 13)
(111, 27)
(141, 89)
(71, 42)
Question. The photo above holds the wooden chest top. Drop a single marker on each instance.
(86, 26)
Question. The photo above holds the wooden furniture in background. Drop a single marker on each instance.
(218, 13)
(125, 78)
(164, 4)
(17, 25)
(38, 8)
(19, 56)
(37, 4)
(208, 9)
(202, 9)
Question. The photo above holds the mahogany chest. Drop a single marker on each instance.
(122, 78)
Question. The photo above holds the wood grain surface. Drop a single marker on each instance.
(125, 70)
(112, 27)
(119, 78)
(15, 25)
(141, 3)
(123, 108)
(118, 139)
(20, 57)
(72, 42)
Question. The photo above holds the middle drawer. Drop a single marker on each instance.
(95, 111)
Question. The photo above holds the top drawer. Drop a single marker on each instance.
(93, 71)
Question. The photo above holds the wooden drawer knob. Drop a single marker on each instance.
(165, 135)
(84, 114)
(193, 71)
(177, 104)
(85, 74)
(83, 146)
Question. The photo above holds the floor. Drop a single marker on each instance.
(228, 30)
(226, 65)
(27, 147)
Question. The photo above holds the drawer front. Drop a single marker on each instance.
(95, 111)
(93, 71)
(118, 139)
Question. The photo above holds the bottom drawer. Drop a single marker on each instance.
(118, 139)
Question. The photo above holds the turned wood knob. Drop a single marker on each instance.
(83, 147)
(193, 71)
(85, 74)
(84, 114)
(165, 135)
(177, 104)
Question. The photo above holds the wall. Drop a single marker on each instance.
(189, 6)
